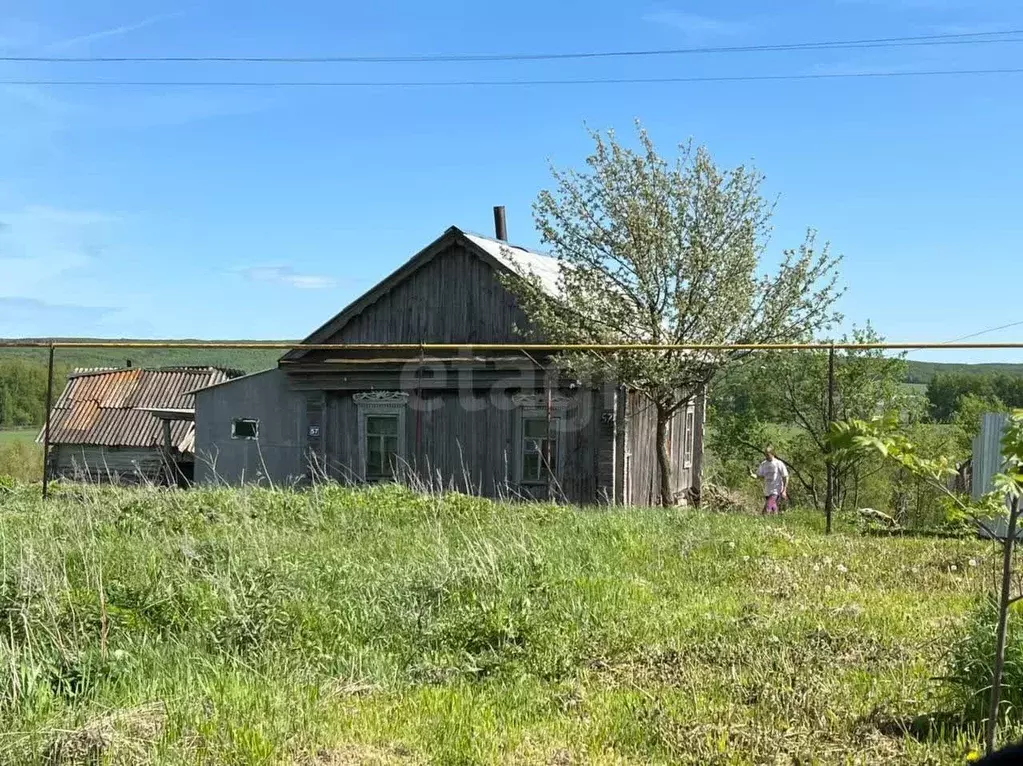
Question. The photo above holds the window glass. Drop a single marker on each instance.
(381, 447)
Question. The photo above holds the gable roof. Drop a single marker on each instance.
(115, 407)
(501, 256)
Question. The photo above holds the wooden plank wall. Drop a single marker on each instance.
(127, 465)
(644, 474)
(454, 298)
(467, 442)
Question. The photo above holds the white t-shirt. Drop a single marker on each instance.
(774, 473)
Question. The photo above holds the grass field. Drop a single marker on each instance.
(20, 457)
(343, 627)
(18, 435)
(251, 360)
(247, 360)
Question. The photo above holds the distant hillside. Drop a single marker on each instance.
(23, 371)
(252, 360)
(922, 372)
(247, 360)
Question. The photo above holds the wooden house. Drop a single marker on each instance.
(497, 424)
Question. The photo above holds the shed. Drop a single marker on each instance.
(128, 425)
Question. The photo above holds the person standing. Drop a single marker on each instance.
(776, 481)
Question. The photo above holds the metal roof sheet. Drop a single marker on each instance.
(103, 407)
(522, 261)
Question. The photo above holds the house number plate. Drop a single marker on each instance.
(314, 430)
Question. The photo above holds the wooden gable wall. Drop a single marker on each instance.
(454, 298)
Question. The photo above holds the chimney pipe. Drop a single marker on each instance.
(500, 223)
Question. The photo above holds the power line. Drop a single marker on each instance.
(506, 83)
(961, 338)
(480, 347)
(985, 332)
(966, 38)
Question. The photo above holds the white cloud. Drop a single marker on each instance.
(311, 282)
(696, 26)
(286, 275)
(117, 31)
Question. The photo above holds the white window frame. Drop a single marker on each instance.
(688, 436)
(381, 404)
(234, 426)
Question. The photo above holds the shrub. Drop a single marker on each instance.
(971, 665)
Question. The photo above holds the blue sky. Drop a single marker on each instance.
(259, 213)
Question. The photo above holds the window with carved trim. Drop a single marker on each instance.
(381, 434)
(539, 449)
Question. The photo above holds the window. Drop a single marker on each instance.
(538, 445)
(690, 435)
(381, 447)
(381, 433)
(244, 428)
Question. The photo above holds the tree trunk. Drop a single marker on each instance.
(1004, 600)
(663, 458)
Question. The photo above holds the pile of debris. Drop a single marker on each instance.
(723, 500)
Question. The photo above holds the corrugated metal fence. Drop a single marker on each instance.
(987, 452)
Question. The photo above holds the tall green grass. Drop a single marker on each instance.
(21, 459)
(381, 626)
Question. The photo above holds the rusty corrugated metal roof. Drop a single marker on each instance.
(101, 407)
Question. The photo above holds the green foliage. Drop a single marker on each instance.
(781, 398)
(946, 392)
(923, 372)
(971, 662)
(381, 626)
(660, 251)
(248, 360)
(967, 417)
(22, 393)
(884, 436)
